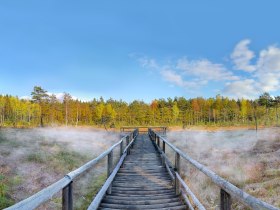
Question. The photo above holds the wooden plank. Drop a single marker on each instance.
(95, 203)
(142, 182)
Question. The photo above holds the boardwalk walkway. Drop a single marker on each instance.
(142, 182)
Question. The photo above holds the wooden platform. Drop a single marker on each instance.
(142, 182)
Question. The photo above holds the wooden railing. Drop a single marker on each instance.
(106, 188)
(65, 184)
(227, 190)
(144, 129)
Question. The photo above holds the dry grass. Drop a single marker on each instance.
(32, 159)
(248, 160)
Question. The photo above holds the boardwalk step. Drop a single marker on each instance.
(142, 182)
(141, 197)
(183, 207)
(152, 206)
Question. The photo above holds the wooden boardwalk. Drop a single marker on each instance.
(142, 182)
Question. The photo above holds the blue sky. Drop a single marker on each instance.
(140, 49)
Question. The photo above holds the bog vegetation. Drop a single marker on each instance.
(44, 109)
(32, 159)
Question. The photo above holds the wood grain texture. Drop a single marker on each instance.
(143, 182)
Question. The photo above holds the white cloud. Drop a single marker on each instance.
(176, 79)
(261, 76)
(241, 56)
(265, 78)
(173, 77)
(148, 63)
(60, 96)
(241, 89)
(25, 97)
(268, 69)
(205, 70)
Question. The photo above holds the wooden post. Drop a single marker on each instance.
(109, 169)
(127, 140)
(67, 197)
(163, 146)
(157, 140)
(225, 200)
(162, 160)
(121, 148)
(177, 169)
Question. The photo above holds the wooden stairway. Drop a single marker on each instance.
(142, 182)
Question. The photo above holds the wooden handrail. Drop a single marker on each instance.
(144, 129)
(190, 193)
(46, 194)
(97, 200)
(226, 186)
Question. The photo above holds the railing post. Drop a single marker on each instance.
(225, 200)
(67, 197)
(177, 169)
(162, 160)
(121, 148)
(163, 146)
(109, 169)
(127, 140)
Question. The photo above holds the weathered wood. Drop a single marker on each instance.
(167, 163)
(127, 140)
(142, 183)
(187, 201)
(235, 192)
(178, 170)
(67, 197)
(145, 206)
(110, 169)
(169, 171)
(121, 148)
(37, 199)
(95, 203)
(225, 200)
(143, 129)
(185, 187)
(92, 163)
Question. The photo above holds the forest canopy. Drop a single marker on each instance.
(47, 110)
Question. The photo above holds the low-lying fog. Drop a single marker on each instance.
(31, 159)
(85, 140)
(249, 159)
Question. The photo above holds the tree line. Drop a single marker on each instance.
(47, 110)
